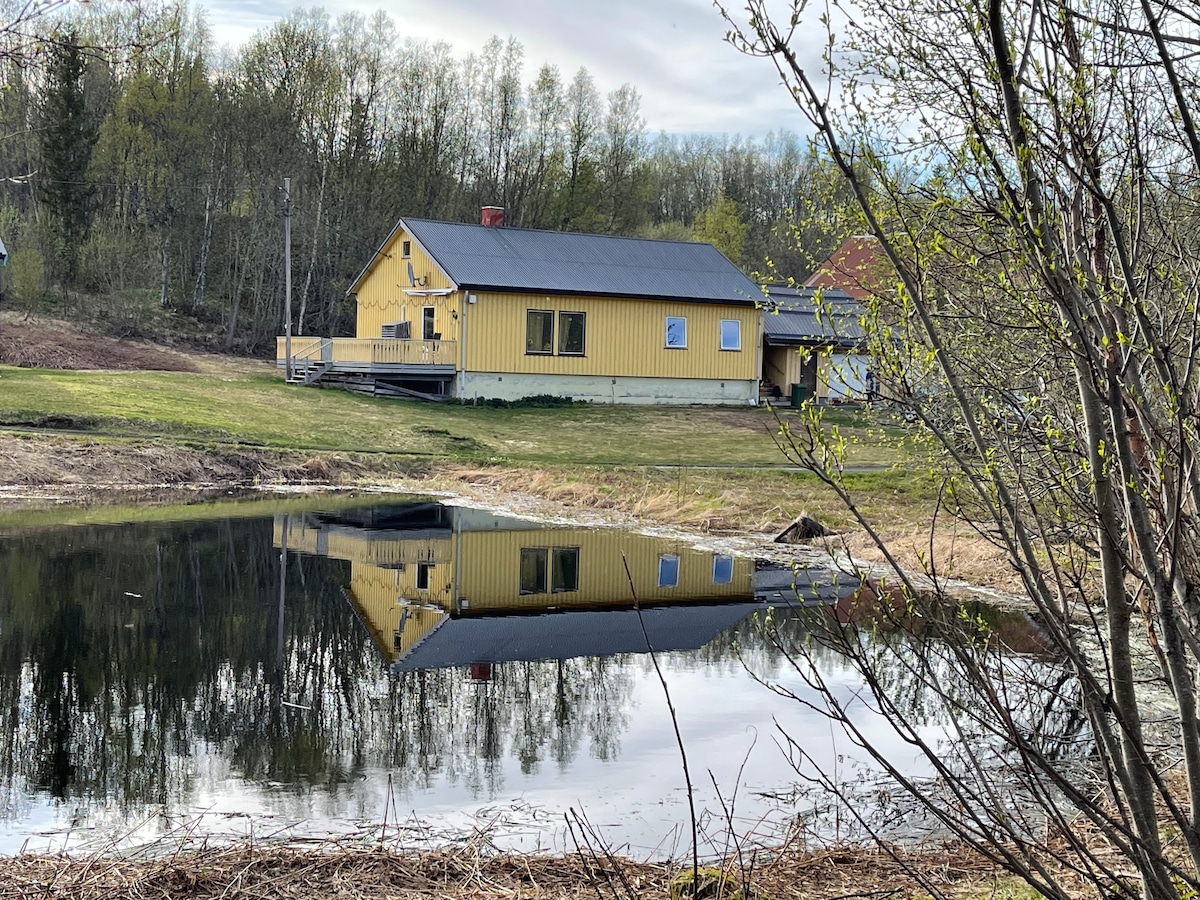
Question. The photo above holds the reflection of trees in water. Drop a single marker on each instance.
(951, 691)
(743, 646)
(132, 657)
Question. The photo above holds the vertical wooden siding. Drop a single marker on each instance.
(376, 593)
(491, 570)
(624, 337)
(381, 297)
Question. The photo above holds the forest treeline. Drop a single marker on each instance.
(141, 167)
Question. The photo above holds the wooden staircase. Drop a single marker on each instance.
(769, 392)
(309, 371)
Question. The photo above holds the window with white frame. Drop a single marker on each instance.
(722, 569)
(731, 334)
(676, 337)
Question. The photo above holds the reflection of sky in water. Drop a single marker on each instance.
(637, 800)
(352, 763)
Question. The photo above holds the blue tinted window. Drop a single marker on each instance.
(668, 570)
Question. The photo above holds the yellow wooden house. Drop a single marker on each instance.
(476, 312)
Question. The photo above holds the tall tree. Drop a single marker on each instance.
(68, 129)
(576, 209)
(721, 225)
(624, 134)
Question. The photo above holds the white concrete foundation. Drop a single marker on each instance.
(601, 389)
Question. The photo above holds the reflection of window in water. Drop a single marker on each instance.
(668, 570)
(566, 570)
(423, 570)
(533, 570)
(722, 569)
(556, 568)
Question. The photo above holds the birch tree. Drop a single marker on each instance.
(1029, 170)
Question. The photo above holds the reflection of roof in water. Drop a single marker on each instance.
(426, 516)
(462, 641)
(564, 635)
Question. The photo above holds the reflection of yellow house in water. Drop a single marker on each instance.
(417, 568)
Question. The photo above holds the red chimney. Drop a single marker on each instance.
(493, 216)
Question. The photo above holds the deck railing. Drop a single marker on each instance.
(304, 349)
(375, 351)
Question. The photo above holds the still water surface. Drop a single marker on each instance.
(409, 669)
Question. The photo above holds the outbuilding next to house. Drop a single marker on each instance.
(450, 310)
(814, 340)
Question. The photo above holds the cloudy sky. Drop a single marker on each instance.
(672, 51)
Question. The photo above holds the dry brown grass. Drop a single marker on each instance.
(342, 873)
(51, 344)
(952, 550)
(715, 500)
(95, 466)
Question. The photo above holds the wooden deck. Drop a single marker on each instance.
(379, 366)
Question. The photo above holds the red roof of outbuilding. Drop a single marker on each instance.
(856, 267)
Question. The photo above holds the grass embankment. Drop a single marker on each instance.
(254, 407)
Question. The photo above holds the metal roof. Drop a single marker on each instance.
(797, 317)
(560, 262)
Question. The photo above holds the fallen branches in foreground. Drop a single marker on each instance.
(267, 872)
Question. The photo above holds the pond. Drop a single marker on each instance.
(410, 671)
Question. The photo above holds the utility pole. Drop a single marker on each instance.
(287, 275)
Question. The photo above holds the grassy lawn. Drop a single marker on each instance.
(240, 404)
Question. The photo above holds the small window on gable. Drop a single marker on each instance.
(676, 333)
(539, 331)
(534, 563)
(406, 249)
(668, 570)
(571, 326)
(722, 569)
(423, 570)
(731, 334)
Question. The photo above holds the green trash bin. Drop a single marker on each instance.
(799, 394)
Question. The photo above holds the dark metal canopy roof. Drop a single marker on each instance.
(806, 316)
(559, 262)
